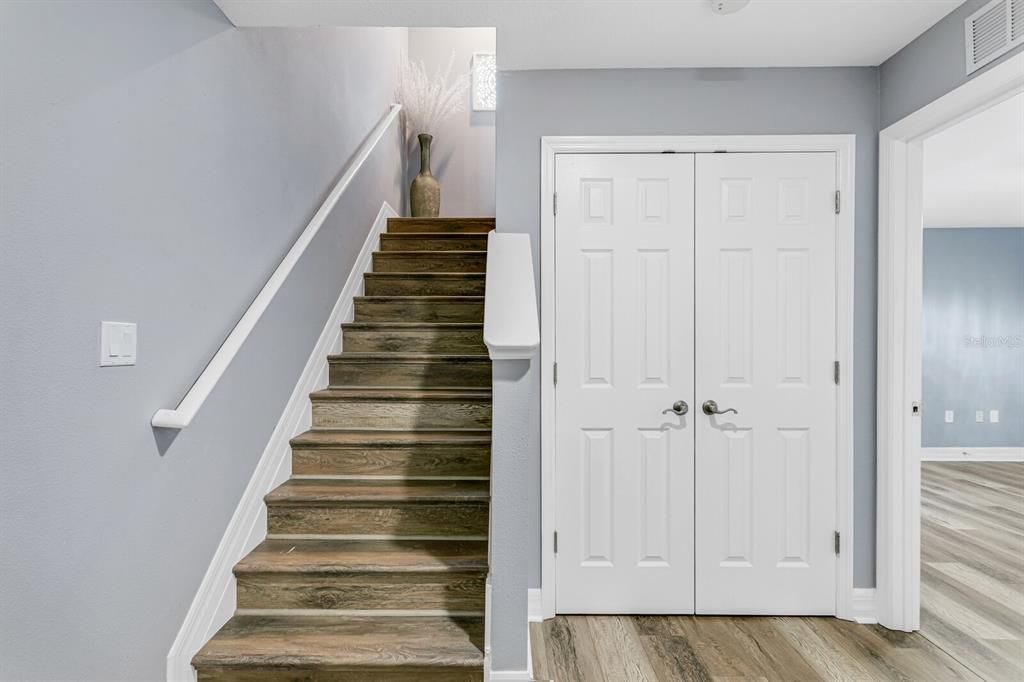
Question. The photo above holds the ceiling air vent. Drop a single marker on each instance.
(992, 31)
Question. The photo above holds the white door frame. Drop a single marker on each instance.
(900, 240)
(844, 147)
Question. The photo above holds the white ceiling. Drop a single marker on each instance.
(594, 34)
(974, 171)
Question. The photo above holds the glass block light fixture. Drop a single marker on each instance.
(485, 81)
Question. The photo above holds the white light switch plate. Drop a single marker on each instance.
(949, 416)
(993, 416)
(979, 416)
(117, 344)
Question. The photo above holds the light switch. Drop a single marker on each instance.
(949, 416)
(117, 344)
(993, 416)
(979, 416)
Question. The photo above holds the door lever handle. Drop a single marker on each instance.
(678, 407)
(710, 407)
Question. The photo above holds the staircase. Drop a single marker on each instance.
(375, 560)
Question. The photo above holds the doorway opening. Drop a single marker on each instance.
(901, 281)
(972, 400)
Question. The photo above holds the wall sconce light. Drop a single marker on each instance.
(485, 81)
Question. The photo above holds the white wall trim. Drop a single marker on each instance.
(215, 600)
(900, 237)
(844, 147)
(972, 454)
(510, 675)
(862, 601)
(535, 605)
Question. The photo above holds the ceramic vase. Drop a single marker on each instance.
(425, 192)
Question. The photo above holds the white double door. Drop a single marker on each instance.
(681, 279)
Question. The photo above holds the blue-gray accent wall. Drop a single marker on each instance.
(157, 163)
(973, 337)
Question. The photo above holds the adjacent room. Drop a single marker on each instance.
(972, 404)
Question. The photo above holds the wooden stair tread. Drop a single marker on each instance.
(357, 437)
(346, 643)
(412, 325)
(433, 254)
(358, 393)
(327, 491)
(438, 233)
(344, 556)
(349, 356)
(430, 261)
(427, 275)
(475, 240)
(471, 224)
(422, 299)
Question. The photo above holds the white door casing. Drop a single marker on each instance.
(843, 147)
(624, 348)
(765, 346)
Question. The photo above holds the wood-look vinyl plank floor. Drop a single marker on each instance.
(972, 564)
(972, 615)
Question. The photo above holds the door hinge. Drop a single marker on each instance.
(836, 540)
(835, 372)
(555, 374)
(556, 542)
(838, 203)
(554, 204)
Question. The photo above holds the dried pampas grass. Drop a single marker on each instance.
(427, 100)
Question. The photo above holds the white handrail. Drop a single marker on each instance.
(182, 416)
(511, 327)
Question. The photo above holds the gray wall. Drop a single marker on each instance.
(157, 164)
(929, 67)
(973, 337)
(701, 102)
(462, 153)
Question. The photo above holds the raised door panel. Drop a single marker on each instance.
(598, 306)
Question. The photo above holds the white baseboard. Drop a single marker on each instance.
(863, 605)
(214, 602)
(972, 454)
(510, 675)
(535, 605)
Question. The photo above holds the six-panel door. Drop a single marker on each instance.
(695, 278)
(624, 303)
(765, 322)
